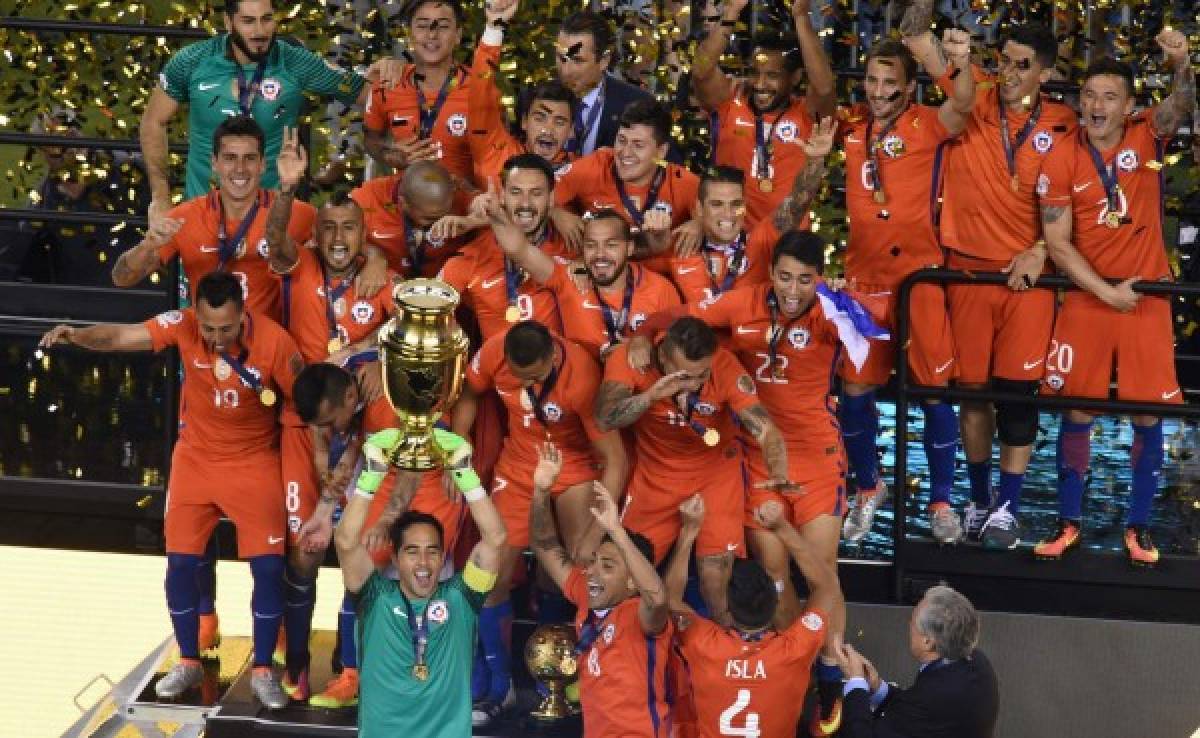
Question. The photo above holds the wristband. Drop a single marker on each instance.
(466, 480)
(475, 494)
(368, 483)
(360, 492)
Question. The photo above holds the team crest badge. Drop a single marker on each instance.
(1042, 141)
(610, 631)
(798, 337)
(786, 131)
(262, 248)
(171, 317)
(553, 412)
(362, 312)
(457, 124)
(270, 89)
(812, 621)
(705, 408)
(892, 145)
(439, 612)
(1127, 160)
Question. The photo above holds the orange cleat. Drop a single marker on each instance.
(829, 724)
(342, 691)
(1140, 548)
(280, 655)
(297, 690)
(1064, 539)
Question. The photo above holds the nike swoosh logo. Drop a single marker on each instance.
(1029, 366)
(209, 249)
(1169, 395)
(490, 283)
(203, 86)
(377, 234)
(590, 305)
(743, 330)
(853, 140)
(686, 270)
(1082, 187)
(198, 365)
(946, 366)
(272, 540)
(599, 205)
(742, 122)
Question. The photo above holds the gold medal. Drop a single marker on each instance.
(222, 370)
(879, 197)
(420, 672)
(568, 666)
(765, 185)
(1112, 220)
(1015, 183)
(712, 437)
(334, 345)
(1154, 165)
(512, 314)
(266, 396)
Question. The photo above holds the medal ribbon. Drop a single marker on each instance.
(693, 399)
(1108, 175)
(512, 281)
(429, 116)
(583, 128)
(762, 143)
(536, 399)
(1010, 146)
(227, 247)
(339, 442)
(247, 92)
(639, 215)
(776, 331)
(615, 326)
(735, 256)
(240, 369)
(873, 147)
(418, 629)
(589, 632)
(332, 295)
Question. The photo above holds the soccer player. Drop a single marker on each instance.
(500, 292)
(619, 295)
(989, 223)
(225, 463)
(547, 385)
(246, 71)
(892, 146)
(622, 619)
(1102, 195)
(223, 230)
(750, 678)
(425, 116)
(685, 444)
(771, 151)
(546, 125)
(418, 633)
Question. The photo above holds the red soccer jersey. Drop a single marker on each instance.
(225, 419)
(890, 240)
(745, 687)
(198, 246)
(981, 215)
(622, 675)
(786, 130)
(665, 440)
(1070, 177)
(808, 351)
(387, 228)
(713, 271)
(583, 312)
(397, 111)
(478, 273)
(567, 409)
(590, 183)
(305, 309)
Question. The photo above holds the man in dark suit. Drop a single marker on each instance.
(955, 694)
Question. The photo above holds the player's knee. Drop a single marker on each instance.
(181, 583)
(1016, 423)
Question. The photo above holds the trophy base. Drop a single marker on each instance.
(553, 708)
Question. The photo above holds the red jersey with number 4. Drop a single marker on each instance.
(623, 674)
(397, 111)
(1135, 248)
(788, 129)
(665, 440)
(198, 246)
(590, 183)
(567, 409)
(892, 239)
(225, 419)
(744, 688)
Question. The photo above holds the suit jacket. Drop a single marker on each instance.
(618, 95)
(956, 700)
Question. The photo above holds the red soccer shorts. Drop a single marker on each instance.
(301, 484)
(653, 496)
(248, 490)
(512, 490)
(931, 342)
(821, 473)
(998, 332)
(1091, 339)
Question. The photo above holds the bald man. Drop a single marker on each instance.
(415, 217)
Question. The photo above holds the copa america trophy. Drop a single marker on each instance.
(550, 656)
(423, 353)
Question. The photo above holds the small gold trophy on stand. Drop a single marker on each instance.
(550, 656)
(423, 353)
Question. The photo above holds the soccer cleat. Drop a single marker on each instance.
(265, 686)
(341, 691)
(1001, 531)
(210, 633)
(183, 676)
(484, 711)
(858, 523)
(827, 725)
(1140, 548)
(298, 690)
(974, 517)
(279, 657)
(1065, 538)
(944, 524)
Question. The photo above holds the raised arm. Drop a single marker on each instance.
(710, 85)
(292, 165)
(551, 555)
(152, 134)
(653, 609)
(1056, 227)
(917, 36)
(691, 513)
(492, 534)
(102, 337)
(824, 593)
(143, 260)
(516, 244)
(618, 407)
(807, 184)
(758, 424)
(821, 97)
(958, 106)
(1174, 109)
(610, 450)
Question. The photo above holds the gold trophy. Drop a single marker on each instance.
(550, 656)
(423, 353)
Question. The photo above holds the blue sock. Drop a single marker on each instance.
(267, 605)
(481, 676)
(1073, 455)
(300, 594)
(1010, 490)
(183, 597)
(553, 607)
(1147, 458)
(979, 474)
(495, 632)
(941, 441)
(207, 577)
(860, 428)
(347, 617)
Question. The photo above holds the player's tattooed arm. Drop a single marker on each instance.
(140, 261)
(281, 251)
(805, 187)
(918, 17)
(1051, 214)
(617, 406)
(1172, 111)
(543, 533)
(758, 423)
(101, 337)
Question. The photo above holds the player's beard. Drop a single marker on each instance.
(620, 269)
(240, 41)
